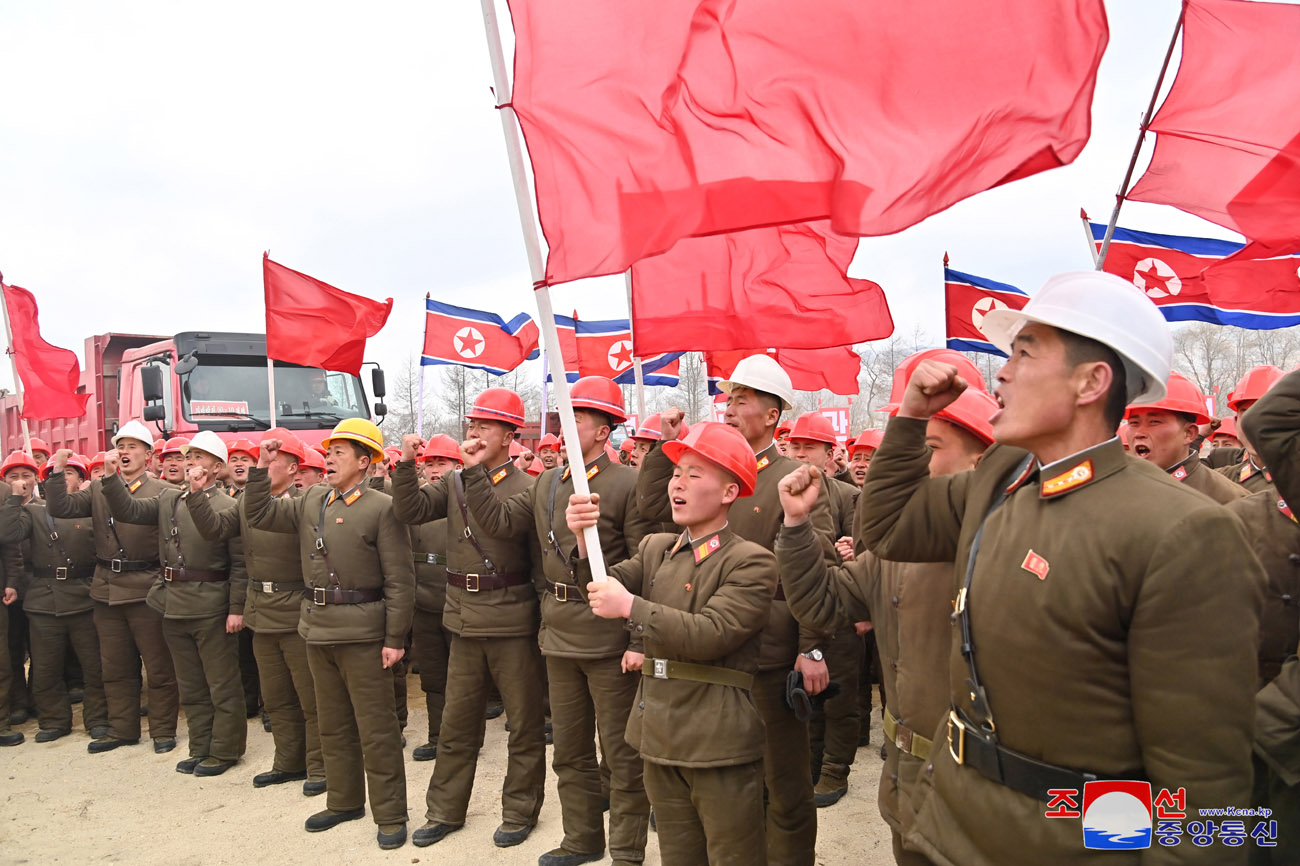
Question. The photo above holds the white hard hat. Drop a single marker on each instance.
(206, 440)
(762, 373)
(1101, 307)
(134, 430)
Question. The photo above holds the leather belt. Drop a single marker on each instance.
(117, 566)
(180, 574)
(663, 669)
(335, 595)
(268, 586)
(972, 746)
(64, 572)
(905, 738)
(486, 582)
(428, 558)
(566, 592)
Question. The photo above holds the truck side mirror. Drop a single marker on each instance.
(155, 412)
(151, 383)
(381, 409)
(377, 385)
(187, 364)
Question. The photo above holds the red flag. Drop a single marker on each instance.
(473, 338)
(1228, 137)
(772, 286)
(835, 369)
(314, 324)
(50, 376)
(649, 122)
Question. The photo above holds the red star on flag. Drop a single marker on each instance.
(468, 345)
(1154, 279)
(622, 356)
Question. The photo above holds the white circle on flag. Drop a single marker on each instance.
(982, 306)
(1156, 278)
(620, 356)
(469, 342)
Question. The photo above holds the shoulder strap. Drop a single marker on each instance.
(54, 536)
(176, 532)
(112, 526)
(979, 699)
(320, 539)
(550, 511)
(458, 487)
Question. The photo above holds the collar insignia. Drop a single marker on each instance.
(135, 485)
(1035, 565)
(1286, 509)
(1078, 476)
(704, 548)
(352, 497)
(500, 475)
(763, 463)
(1180, 473)
(1024, 476)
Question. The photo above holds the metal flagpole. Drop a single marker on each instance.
(419, 411)
(1137, 148)
(637, 372)
(542, 293)
(13, 365)
(270, 386)
(1087, 233)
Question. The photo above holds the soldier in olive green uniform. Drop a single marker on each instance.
(755, 409)
(591, 681)
(201, 597)
(356, 562)
(492, 613)
(271, 612)
(1096, 635)
(430, 640)
(8, 595)
(1273, 427)
(698, 602)
(126, 557)
(59, 557)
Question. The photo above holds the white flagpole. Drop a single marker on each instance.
(13, 365)
(528, 224)
(270, 386)
(1087, 233)
(419, 411)
(637, 372)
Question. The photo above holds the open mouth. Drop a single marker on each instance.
(1142, 450)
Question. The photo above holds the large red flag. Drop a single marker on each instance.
(314, 324)
(773, 286)
(835, 369)
(1228, 134)
(649, 122)
(50, 375)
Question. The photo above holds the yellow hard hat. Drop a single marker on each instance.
(359, 430)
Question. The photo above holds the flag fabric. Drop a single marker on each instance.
(966, 300)
(604, 347)
(650, 122)
(312, 323)
(476, 339)
(777, 285)
(49, 375)
(1227, 136)
(1204, 280)
(566, 328)
(661, 370)
(835, 369)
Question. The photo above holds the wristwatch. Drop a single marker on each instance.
(813, 655)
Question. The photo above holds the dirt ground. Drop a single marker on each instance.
(59, 804)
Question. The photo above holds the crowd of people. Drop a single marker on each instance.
(1071, 576)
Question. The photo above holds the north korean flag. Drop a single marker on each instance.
(664, 370)
(566, 328)
(604, 347)
(967, 298)
(1190, 281)
(473, 338)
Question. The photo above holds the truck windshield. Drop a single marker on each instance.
(232, 396)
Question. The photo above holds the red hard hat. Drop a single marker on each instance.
(1182, 396)
(550, 440)
(97, 460)
(17, 459)
(723, 446)
(158, 445)
(440, 445)
(173, 445)
(649, 429)
(1227, 427)
(783, 427)
(629, 445)
(312, 459)
(516, 449)
(609, 450)
(535, 468)
(39, 445)
(243, 446)
(903, 373)
(289, 443)
(1253, 385)
(498, 404)
(971, 411)
(1122, 432)
(600, 394)
(813, 426)
(76, 461)
(868, 440)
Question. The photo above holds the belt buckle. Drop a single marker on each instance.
(903, 738)
(268, 586)
(661, 669)
(115, 565)
(61, 572)
(471, 587)
(959, 754)
(561, 592)
(431, 558)
(318, 595)
(168, 573)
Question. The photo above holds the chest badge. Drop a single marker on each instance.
(1035, 565)
(338, 520)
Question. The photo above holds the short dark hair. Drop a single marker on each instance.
(771, 401)
(1085, 350)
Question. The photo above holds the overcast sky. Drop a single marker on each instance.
(150, 151)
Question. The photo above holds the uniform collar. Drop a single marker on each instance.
(705, 546)
(1250, 468)
(1078, 470)
(348, 496)
(593, 468)
(1183, 469)
(501, 473)
(767, 456)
